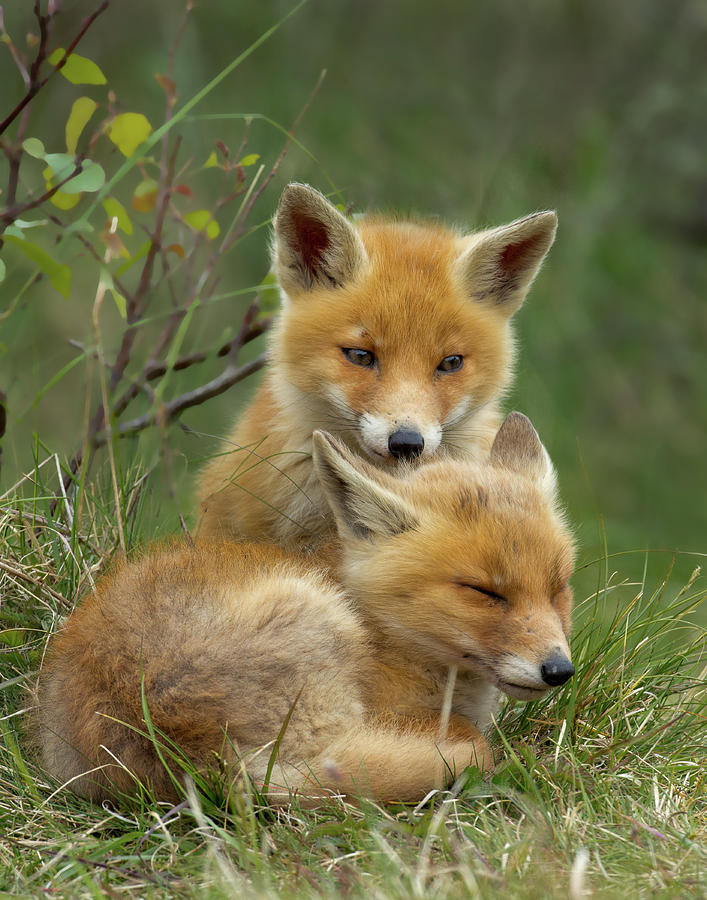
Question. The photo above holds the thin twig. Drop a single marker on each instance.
(238, 232)
(35, 519)
(9, 214)
(36, 84)
(168, 412)
(23, 574)
(97, 303)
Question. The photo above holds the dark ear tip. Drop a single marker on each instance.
(296, 191)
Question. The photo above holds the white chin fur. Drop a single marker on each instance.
(522, 693)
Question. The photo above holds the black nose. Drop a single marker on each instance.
(406, 444)
(556, 669)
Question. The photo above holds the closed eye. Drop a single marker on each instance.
(559, 593)
(492, 595)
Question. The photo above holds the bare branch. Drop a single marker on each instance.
(230, 376)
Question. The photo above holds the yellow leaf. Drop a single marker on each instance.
(201, 220)
(145, 196)
(64, 201)
(77, 69)
(128, 131)
(119, 302)
(211, 161)
(81, 112)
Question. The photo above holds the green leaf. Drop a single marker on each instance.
(59, 165)
(91, 178)
(81, 112)
(115, 209)
(107, 281)
(59, 275)
(34, 147)
(211, 161)
(128, 131)
(2, 270)
(250, 159)
(78, 69)
(200, 220)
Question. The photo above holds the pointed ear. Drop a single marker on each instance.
(362, 505)
(315, 246)
(517, 447)
(499, 265)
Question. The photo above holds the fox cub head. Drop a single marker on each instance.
(461, 564)
(396, 336)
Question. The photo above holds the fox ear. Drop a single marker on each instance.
(362, 505)
(499, 265)
(315, 246)
(517, 447)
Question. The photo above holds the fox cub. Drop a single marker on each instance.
(393, 336)
(451, 566)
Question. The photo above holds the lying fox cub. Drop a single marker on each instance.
(451, 566)
(393, 336)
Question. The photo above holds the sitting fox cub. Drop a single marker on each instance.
(455, 564)
(394, 336)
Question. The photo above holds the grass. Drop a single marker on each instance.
(599, 790)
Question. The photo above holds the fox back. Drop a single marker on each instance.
(455, 581)
(393, 336)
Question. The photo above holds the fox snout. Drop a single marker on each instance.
(525, 680)
(406, 443)
(556, 670)
(398, 437)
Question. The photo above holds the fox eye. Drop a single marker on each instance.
(497, 598)
(359, 357)
(451, 363)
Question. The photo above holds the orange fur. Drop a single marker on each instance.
(410, 294)
(454, 564)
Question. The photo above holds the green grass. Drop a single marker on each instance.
(599, 790)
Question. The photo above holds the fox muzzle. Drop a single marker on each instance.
(556, 669)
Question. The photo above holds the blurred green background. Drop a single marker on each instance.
(475, 112)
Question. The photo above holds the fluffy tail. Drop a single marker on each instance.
(379, 763)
